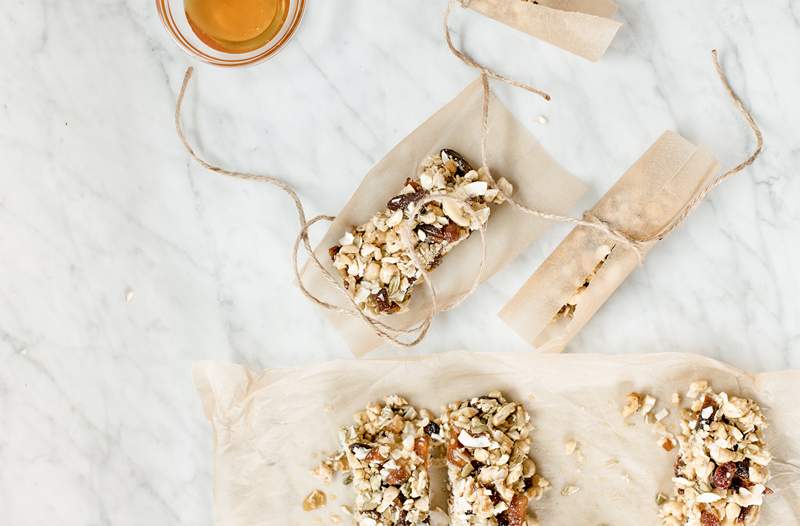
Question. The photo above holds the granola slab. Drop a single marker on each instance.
(490, 475)
(388, 453)
(722, 467)
(375, 269)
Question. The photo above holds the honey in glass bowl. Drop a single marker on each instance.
(236, 26)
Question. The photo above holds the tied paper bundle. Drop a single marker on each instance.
(582, 27)
(650, 201)
(272, 428)
(515, 155)
(588, 266)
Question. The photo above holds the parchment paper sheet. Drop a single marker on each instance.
(270, 427)
(582, 27)
(645, 199)
(513, 153)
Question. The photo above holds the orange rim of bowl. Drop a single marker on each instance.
(172, 28)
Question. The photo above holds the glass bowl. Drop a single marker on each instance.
(174, 18)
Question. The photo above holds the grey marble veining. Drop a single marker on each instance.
(121, 262)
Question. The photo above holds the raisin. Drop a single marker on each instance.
(723, 475)
(383, 303)
(495, 497)
(708, 402)
(476, 464)
(432, 428)
(502, 519)
(462, 166)
(708, 518)
(518, 510)
(743, 469)
(451, 232)
(743, 513)
(742, 476)
(397, 476)
(401, 202)
(437, 234)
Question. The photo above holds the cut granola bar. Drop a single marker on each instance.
(388, 453)
(375, 269)
(722, 467)
(490, 475)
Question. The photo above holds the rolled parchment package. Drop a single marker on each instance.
(513, 154)
(272, 428)
(588, 266)
(582, 27)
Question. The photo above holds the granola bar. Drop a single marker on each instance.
(370, 258)
(388, 453)
(722, 467)
(490, 475)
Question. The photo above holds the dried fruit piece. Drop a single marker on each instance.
(723, 475)
(397, 476)
(401, 202)
(518, 510)
(708, 518)
(462, 166)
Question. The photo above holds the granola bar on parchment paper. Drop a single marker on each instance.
(370, 258)
(722, 467)
(490, 475)
(388, 454)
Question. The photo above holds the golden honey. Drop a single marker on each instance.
(236, 26)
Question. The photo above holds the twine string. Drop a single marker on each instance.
(420, 330)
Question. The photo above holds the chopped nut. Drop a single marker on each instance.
(632, 404)
(566, 491)
(648, 404)
(315, 500)
(570, 446)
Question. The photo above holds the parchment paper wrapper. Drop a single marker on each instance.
(270, 428)
(650, 194)
(582, 27)
(513, 153)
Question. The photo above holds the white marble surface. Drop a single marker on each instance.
(121, 262)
